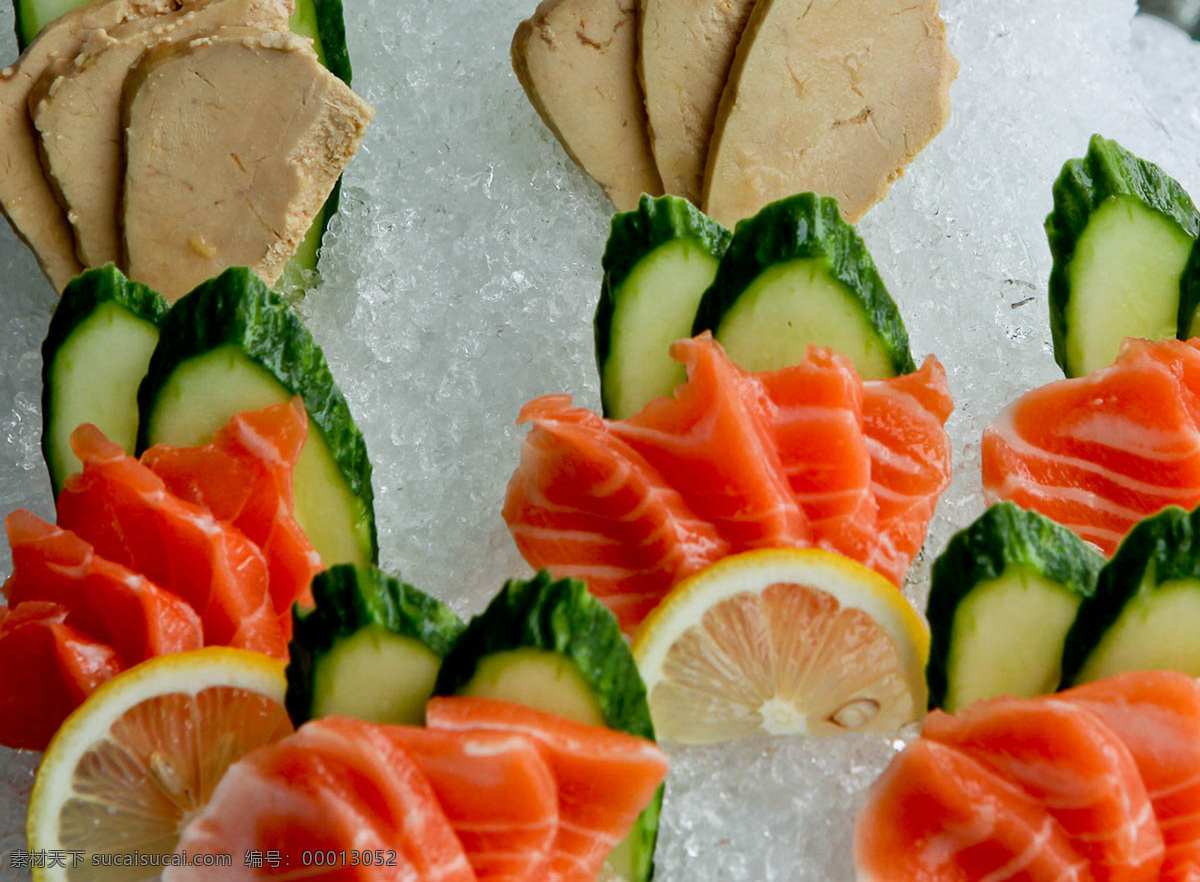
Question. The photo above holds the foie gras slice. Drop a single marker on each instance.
(76, 109)
(829, 96)
(577, 61)
(25, 195)
(233, 142)
(686, 51)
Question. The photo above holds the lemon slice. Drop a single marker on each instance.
(136, 760)
(782, 641)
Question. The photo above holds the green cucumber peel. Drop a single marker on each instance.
(806, 226)
(1003, 537)
(80, 300)
(348, 599)
(1164, 547)
(237, 309)
(634, 234)
(635, 239)
(1106, 172)
(557, 616)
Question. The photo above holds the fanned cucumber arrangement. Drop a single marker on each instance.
(792, 276)
(1003, 596)
(322, 20)
(95, 354)
(373, 645)
(1021, 606)
(367, 628)
(550, 645)
(231, 345)
(1145, 613)
(658, 263)
(796, 274)
(1120, 234)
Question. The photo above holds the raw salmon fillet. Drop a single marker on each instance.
(1157, 715)
(47, 669)
(104, 600)
(584, 504)
(605, 778)
(937, 815)
(244, 478)
(825, 454)
(1099, 453)
(714, 442)
(809, 455)
(328, 787)
(1078, 769)
(127, 514)
(904, 419)
(496, 790)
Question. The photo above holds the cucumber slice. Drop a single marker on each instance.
(1120, 234)
(33, 15)
(95, 354)
(550, 645)
(658, 262)
(796, 274)
(1003, 596)
(370, 649)
(230, 346)
(1145, 614)
(1189, 296)
(323, 21)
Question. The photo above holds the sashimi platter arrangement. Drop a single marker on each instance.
(381, 506)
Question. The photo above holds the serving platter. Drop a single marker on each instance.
(460, 278)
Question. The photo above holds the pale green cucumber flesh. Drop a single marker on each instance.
(1007, 638)
(1156, 630)
(1124, 280)
(203, 393)
(550, 682)
(655, 306)
(401, 672)
(95, 379)
(792, 305)
(536, 678)
(33, 15)
(304, 23)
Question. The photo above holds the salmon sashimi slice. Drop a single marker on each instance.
(713, 442)
(293, 800)
(937, 815)
(904, 421)
(47, 669)
(1067, 759)
(824, 452)
(808, 455)
(605, 778)
(395, 793)
(127, 514)
(1157, 715)
(1099, 453)
(584, 504)
(496, 790)
(244, 477)
(104, 600)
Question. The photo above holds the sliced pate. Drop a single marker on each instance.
(25, 195)
(686, 51)
(233, 142)
(76, 109)
(577, 61)
(827, 96)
